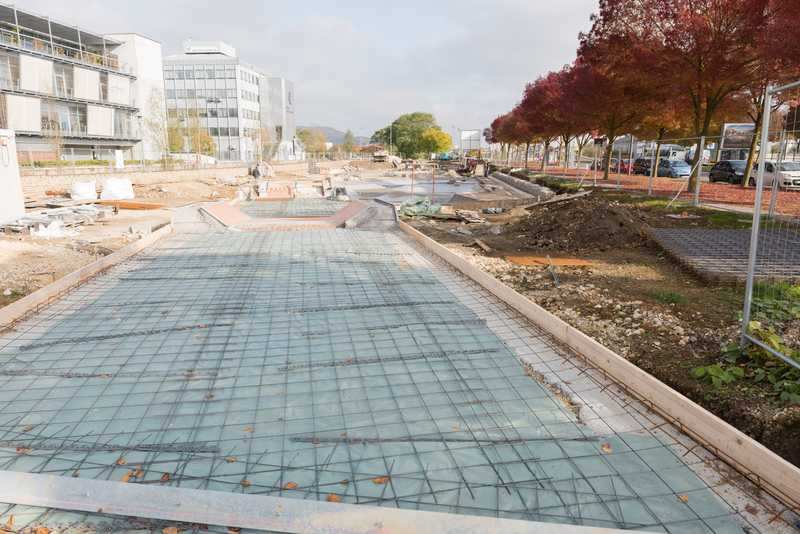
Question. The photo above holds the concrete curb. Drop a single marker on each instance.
(756, 462)
(30, 303)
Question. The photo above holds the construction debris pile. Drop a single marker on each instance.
(57, 222)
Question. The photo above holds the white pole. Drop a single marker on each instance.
(702, 148)
(751, 263)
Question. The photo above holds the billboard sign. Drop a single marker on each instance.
(737, 136)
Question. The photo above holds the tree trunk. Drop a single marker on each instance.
(546, 153)
(751, 157)
(657, 159)
(607, 161)
(527, 149)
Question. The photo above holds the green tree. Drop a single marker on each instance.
(349, 142)
(199, 139)
(436, 141)
(406, 133)
(313, 140)
(175, 136)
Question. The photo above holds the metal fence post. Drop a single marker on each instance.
(776, 184)
(701, 147)
(751, 263)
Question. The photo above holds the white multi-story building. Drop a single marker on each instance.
(210, 87)
(67, 92)
(143, 57)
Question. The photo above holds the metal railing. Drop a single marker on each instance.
(41, 46)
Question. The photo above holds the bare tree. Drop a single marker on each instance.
(155, 125)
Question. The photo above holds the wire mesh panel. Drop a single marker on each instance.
(772, 296)
(298, 207)
(335, 365)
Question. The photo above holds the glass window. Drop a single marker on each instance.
(123, 126)
(232, 112)
(214, 132)
(223, 132)
(169, 74)
(104, 86)
(77, 119)
(9, 70)
(234, 132)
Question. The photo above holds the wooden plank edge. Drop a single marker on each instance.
(752, 459)
(18, 309)
(258, 512)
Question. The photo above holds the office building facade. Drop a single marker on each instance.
(65, 91)
(246, 113)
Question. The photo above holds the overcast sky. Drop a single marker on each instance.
(357, 65)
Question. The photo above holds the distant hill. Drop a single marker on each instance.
(335, 136)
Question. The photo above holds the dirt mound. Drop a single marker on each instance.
(587, 223)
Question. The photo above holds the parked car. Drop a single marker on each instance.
(643, 166)
(620, 166)
(729, 170)
(788, 176)
(674, 168)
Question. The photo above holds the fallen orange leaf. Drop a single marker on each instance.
(245, 483)
(121, 461)
(10, 522)
(344, 482)
(333, 498)
(23, 450)
(165, 477)
(606, 448)
(380, 480)
(683, 498)
(42, 530)
(230, 459)
(290, 485)
(139, 473)
(127, 476)
(248, 429)
(170, 530)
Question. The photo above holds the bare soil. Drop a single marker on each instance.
(175, 194)
(632, 298)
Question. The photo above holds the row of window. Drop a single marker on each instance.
(199, 72)
(209, 94)
(59, 81)
(250, 96)
(200, 84)
(223, 132)
(250, 114)
(174, 113)
(70, 120)
(249, 77)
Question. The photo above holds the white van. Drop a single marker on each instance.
(788, 177)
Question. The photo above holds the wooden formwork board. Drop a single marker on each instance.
(259, 512)
(746, 455)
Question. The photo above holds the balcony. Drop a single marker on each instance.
(23, 41)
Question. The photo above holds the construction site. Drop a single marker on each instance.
(372, 347)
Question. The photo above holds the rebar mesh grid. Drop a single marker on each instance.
(334, 365)
(298, 207)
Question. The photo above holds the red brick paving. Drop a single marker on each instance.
(788, 201)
